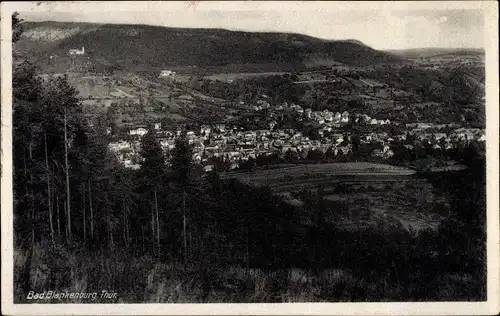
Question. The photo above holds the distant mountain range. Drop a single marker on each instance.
(142, 47)
(434, 52)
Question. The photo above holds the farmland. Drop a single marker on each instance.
(357, 194)
(228, 77)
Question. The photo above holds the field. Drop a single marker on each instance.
(358, 194)
(228, 77)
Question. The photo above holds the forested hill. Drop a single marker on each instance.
(147, 47)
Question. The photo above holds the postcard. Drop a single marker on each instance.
(250, 158)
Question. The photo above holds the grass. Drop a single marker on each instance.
(144, 279)
(378, 191)
(243, 75)
(141, 279)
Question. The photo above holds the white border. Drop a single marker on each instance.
(489, 307)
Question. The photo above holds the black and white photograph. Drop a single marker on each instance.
(250, 155)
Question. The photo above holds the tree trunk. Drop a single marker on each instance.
(84, 215)
(142, 235)
(66, 227)
(68, 198)
(153, 230)
(157, 225)
(110, 233)
(184, 225)
(91, 213)
(128, 227)
(32, 194)
(51, 226)
(124, 230)
(58, 219)
(247, 251)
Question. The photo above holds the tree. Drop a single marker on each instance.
(181, 161)
(17, 27)
(153, 158)
(152, 174)
(315, 155)
(291, 156)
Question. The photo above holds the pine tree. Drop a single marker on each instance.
(153, 164)
(152, 174)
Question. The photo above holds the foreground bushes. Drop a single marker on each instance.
(138, 279)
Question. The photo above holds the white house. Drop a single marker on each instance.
(77, 51)
(141, 131)
(120, 145)
(205, 130)
(167, 73)
(208, 168)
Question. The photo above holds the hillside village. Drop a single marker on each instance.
(235, 145)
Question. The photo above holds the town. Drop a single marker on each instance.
(235, 145)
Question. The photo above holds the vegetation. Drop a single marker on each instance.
(165, 233)
(141, 47)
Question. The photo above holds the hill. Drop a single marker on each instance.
(143, 48)
(435, 52)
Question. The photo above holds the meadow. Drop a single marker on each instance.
(228, 77)
(365, 191)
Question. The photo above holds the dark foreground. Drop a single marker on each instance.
(261, 258)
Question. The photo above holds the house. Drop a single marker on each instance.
(419, 125)
(167, 74)
(463, 133)
(141, 131)
(221, 127)
(119, 146)
(77, 51)
(208, 168)
(205, 130)
(320, 120)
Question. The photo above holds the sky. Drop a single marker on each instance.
(380, 27)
